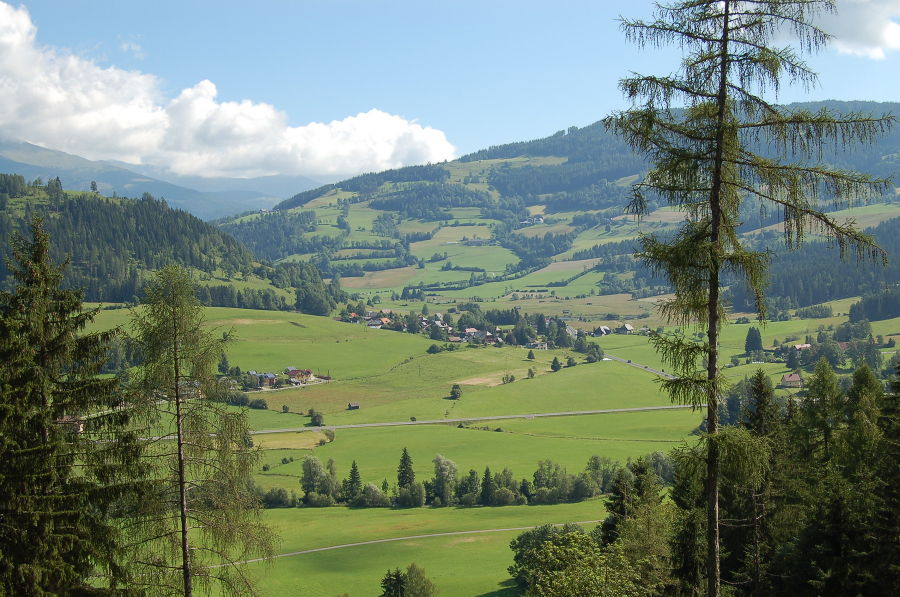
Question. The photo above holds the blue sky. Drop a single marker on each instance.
(229, 88)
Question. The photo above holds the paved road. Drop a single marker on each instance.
(570, 413)
(411, 537)
(641, 367)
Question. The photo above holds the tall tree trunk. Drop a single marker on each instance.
(182, 483)
(713, 573)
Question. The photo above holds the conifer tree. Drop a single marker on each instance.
(702, 127)
(353, 485)
(65, 460)
(202, 513)
(405, 473)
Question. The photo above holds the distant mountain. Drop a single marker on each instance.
(269, 186)
(216, 200)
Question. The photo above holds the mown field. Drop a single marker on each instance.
(460, 565)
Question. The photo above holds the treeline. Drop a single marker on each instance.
(549, 484)
(588, 144)
(881, 305)
(808, 505)
(371, 182)
(275, 235)
(814, 274)
(430, 200)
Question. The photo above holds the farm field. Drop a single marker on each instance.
(518, 445)
(463, 565)
(393, 378)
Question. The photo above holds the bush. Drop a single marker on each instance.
(285, 408)
(318, 500)
(504, 497)
(237, 399)
(372, 497)
(258, 403)
(277, 498)
(411, 496)
(329, 434)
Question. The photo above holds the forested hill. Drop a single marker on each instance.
(815, 272)
(113, 244)
(589, 158)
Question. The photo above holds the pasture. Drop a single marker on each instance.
(463, 565)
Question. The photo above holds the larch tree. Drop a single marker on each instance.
(716, 144)
(202, 516)
(66, 461)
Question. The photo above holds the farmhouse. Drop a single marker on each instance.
(625, 328)
(71, 423)
(537, 345)
(792, 380)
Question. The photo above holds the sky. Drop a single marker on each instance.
(330, 88)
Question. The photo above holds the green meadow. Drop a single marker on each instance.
(464, 565)
(393, 378)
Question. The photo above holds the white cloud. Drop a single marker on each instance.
(58, 100)
(867, 28)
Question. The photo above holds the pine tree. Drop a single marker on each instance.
(65, 460)
(353, 485)
(202, 505)
(405, 473)
(705, 163)
(488, 488)
(753, 342)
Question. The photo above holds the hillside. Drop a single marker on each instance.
(541, 218)
(216, 198)
(114, 243)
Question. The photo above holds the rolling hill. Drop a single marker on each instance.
(541, 218)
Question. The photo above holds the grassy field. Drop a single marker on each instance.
(358, 570)
(515, 444)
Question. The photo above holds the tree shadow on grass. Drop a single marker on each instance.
(508, 589)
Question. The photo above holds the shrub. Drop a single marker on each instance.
(372, 497)
(258, 403)
(285, 408)
(318, 500)
(411, 496)
(504, 497)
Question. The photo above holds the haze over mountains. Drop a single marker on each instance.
(206, 198)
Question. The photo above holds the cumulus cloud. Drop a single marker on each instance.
(52, 98)
(867, 28)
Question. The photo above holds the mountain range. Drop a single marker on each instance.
(206, 198)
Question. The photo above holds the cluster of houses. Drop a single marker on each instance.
(293, 376)
(532, 220)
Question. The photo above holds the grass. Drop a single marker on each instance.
(358, 570)
(569, 441)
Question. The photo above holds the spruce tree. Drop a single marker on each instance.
(702, 127)
(65, 461)
(405, 473)
(353, 485)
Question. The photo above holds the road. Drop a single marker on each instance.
(411, 537)
(641, 367)
(570, 413)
